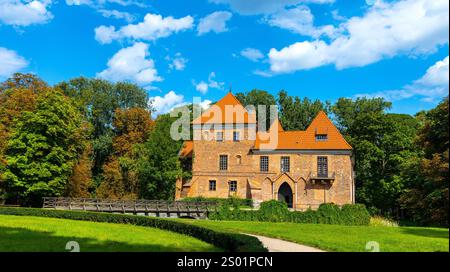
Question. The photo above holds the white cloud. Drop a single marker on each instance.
(131, 64)
(299, 20)
(252, 54)
(215, 22)
(203, 86)
(25, 12)
(163, 104)
(178, 62)
(153, 27)
(117, 14)
(409, 27)
(10, 62)
(431, 86)
(99, 3)
(255, 7)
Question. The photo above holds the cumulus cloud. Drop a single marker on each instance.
(410, 27)
(255, 7)
(131, 64)
(163, 104)
(299, 20)
(98, 3)
(25, 13)
(252, 54)
(10, 62)
(431, 86)
(153, 27)
(216, 22)
(203, 86)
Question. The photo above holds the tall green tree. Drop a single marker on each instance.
(98, 100)
(158, 165)
(296, 113)
(383, 145)
(43, 149)
(426, 200)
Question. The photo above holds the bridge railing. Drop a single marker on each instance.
(128, 206)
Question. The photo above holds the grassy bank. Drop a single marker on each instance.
(341, 238)
(28, 233)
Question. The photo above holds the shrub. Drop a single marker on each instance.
(276, 211)
(273, 211)
(228, 241)
(381, 221)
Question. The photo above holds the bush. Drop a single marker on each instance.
(233, 201)
(228, 241)
(276, 211)
(381, 221)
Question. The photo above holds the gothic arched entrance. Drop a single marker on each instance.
(285, 194)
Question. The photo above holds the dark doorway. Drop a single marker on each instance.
(285, 194)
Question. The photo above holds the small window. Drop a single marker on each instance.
(233, 186)
(236, 136)
(321, 137)
(219, 136)
(322, 167)
(223, 162)
(285, 164)
(264, 163)
(238, 159)
(212, 185)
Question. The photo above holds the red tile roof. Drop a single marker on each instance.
(306, 139)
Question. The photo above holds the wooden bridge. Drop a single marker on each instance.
(159, 208)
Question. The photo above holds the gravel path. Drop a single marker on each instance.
(277, 245)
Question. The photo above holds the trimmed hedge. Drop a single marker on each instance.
(276, 211)
(232, 242)
(233, 201)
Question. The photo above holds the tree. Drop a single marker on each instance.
(383, 146)
(296, 113)
(98, 100)
(158, 164)
(132, 127)
(426, 200)
(255, 98)
(43, 149)
(17, 94)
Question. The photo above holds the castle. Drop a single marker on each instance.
(229, 157)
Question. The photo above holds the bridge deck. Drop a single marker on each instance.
(157, 207)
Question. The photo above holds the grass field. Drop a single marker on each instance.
(28, 233)
(342, 238)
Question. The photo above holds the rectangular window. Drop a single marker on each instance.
(321, 137)
(233, 186)
(212, 185)
(223, 162)
(285, 164)
(322, 166)
(264, 163)
(236, 136)
(219, 136)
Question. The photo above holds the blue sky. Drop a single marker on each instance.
(322, 49)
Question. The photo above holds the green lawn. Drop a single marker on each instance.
(28, 233)
(342, 238)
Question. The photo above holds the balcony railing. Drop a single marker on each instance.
(321, 178)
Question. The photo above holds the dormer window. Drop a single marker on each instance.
(321, 137)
